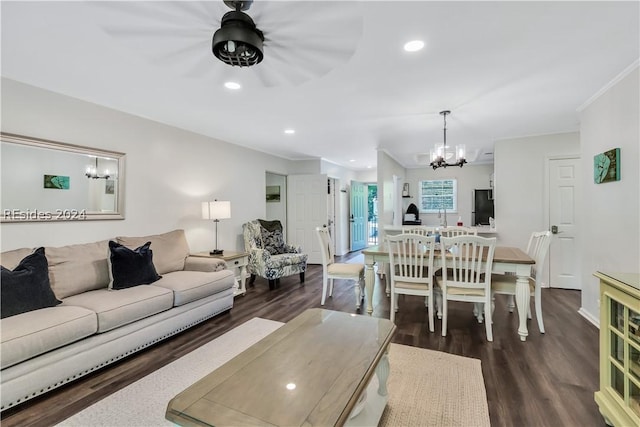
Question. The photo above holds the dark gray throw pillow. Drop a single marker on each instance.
(132, 267)
(26, 287)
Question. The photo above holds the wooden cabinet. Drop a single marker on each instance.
(619, 394)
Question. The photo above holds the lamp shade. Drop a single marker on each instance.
(218, 209)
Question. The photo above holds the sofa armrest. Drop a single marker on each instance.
(193, 263)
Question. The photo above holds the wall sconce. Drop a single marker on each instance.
(216, 210)
(92, 172)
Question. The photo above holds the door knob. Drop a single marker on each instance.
(554, 229)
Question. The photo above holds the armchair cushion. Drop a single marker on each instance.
(273, 241)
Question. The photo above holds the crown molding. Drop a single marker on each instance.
(609, 85)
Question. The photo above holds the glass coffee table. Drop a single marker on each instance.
(316, 370)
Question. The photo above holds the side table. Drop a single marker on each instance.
(238, 262)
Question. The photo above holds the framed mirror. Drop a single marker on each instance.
(44, 180)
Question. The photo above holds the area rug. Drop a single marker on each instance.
(426, 388)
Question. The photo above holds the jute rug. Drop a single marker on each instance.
(426, 388)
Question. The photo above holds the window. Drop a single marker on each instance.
(438, 194)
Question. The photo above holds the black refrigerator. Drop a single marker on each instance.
(482, 206)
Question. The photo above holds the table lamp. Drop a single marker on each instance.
(216, 210)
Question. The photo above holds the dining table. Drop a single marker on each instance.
(506, 260)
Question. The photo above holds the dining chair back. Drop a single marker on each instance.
(537, 249)
(467, 261)
(411, 258)
(336, 270)
(458, 231)
(419, 229)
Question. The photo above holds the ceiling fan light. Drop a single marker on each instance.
(238, 42)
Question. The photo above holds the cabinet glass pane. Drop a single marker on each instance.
(617, 315)
(617, 380)
(617, 347)
(634, 399)
(634, 362)
(634, 326)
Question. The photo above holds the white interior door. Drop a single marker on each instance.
(564, 200)
(358, 215)
(306, 210)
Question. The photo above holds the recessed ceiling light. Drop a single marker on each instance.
(232, 85)
(289, 131)
(351, 161)
(414, 45)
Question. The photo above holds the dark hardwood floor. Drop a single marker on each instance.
(549, 380)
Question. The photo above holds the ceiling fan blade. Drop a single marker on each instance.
(303, 39)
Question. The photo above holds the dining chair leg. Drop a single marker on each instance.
(324, 290)
(358, 295)
(511, 303)
(330, 287)
(439, 305)
(538, 302)
(392, 308)
(444, 317)
(488, 321)
(430, 308)
(386, 279)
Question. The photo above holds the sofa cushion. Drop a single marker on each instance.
(26, 287)
(29, 334)
(75, 269)
(169, 249)
(189, 286)
(11, 259)
(118, 308)
(131, 267)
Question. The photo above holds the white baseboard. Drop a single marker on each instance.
(584, 313)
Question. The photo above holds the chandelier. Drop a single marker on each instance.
(92, 172)
(441, 155)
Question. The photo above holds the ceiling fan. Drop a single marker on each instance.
(238, 42)
(276, 43)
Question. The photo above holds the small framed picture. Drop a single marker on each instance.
(109, 186)
(273, 193)
(57, 182)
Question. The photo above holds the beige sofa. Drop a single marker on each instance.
(95, 326)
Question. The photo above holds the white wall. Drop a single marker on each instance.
(611, 210)
(520, 168)
(387, 168)
(169, 172)
(469, 177)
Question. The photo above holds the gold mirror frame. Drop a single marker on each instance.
(10, 214)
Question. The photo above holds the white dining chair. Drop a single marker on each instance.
(458, 231)
(337, 270)
(423, 230)
(466, 276)
(537, 249)
(411, 269)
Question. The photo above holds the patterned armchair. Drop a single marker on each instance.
(269, 256)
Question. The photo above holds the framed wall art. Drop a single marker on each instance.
(273, 193)
(606, 166)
